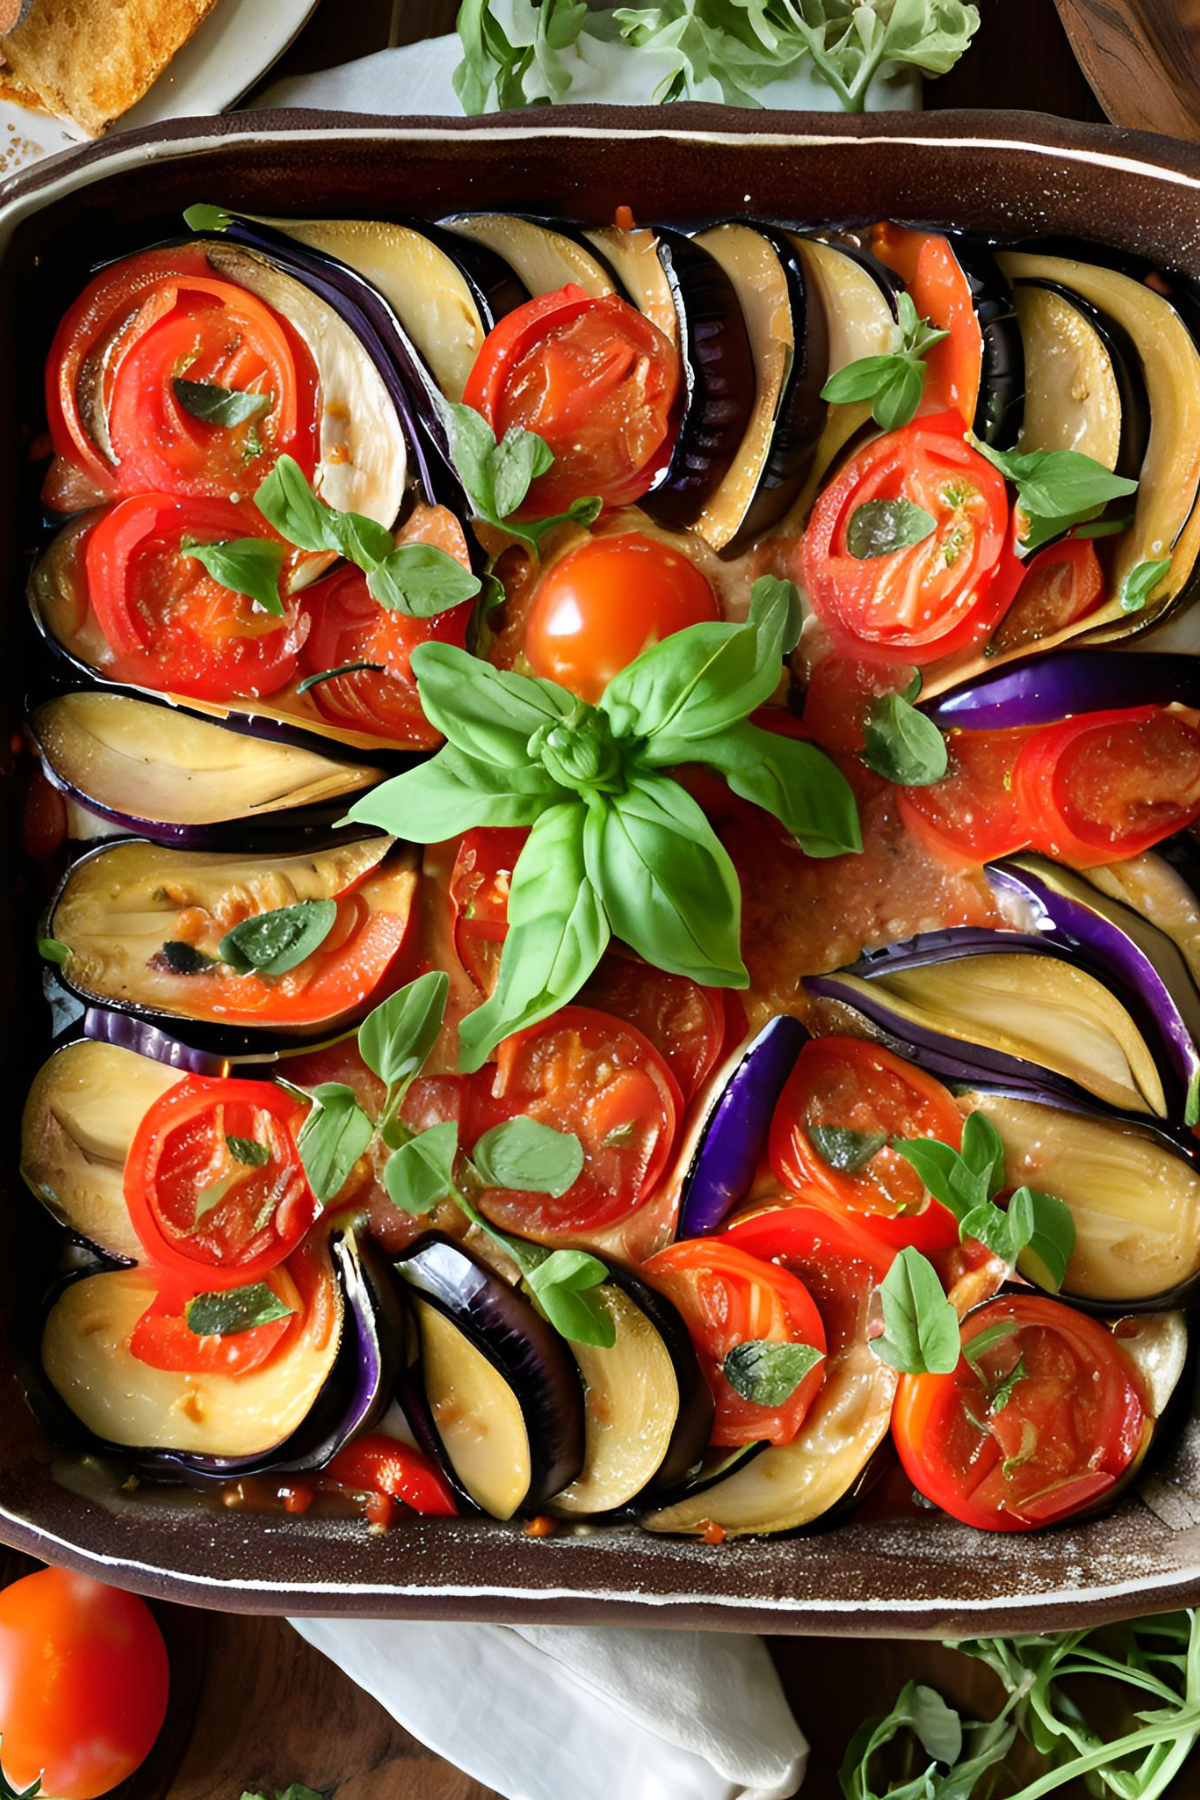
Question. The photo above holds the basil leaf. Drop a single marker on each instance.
(234, 1309)
(920, 1326)
(312, 681)
(421, 581)
(248, 1151)
(899, 395)
(395, 1040)
(333, 1137)
(186, 959)
(271, 943)
(453, 792)
(983, 1151)
(215, 405)
(986, 1340)
(903, 745)
(529, 1157)
(860, 379)
(936, 1164)
(666, 882)
(519, 458)
(1055, 488)
(708, 677)
(561, 1285)
(881, 527)
(472, 446)
(557, 934)
(1140, 583)
(1046, 1252)
(788, 777)
(845, 1149)
(486, 712)
(287, 502)
(250, 566)
(421, 1172)
(766, 1372)
(203, 218)
(52, 950)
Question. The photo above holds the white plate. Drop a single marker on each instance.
(226, 55)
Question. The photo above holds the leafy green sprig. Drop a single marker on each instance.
(1056, 489)
(617, 847)
(900, 743)
(497, 476)
(893, 382)
(425, 1168)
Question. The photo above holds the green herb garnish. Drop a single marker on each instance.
(920, 1326)
(271, 943)
(900, 743)
(215, 405)
(1056, 489)
(250, 566)
(767, 1372)
(234, 1309)
(893, 382)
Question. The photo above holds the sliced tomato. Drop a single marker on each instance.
(1062, 583)
(478, 895)
(381, 1465)
(144, 323)
(840, 692)
(584, 1072)
(593, 378)
(935, 597)
(685, 1022)
(163, 1339)
(728, 1297)
(972, 815)
(940, 291)
(1042, 1423)
(203, 1201)
(602, 604)
(349, 626)
(842, 1098)
(171, 625)
(1104, 786)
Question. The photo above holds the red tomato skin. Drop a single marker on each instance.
(972, 815)
(599, 606)
(84, 1682)
(381, 1465)
(1061, 584)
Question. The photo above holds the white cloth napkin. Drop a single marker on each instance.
(543, 1711)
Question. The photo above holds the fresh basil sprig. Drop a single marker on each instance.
(425, 1168)
(214, 405)
(418, 580)
(767, 1371)
(900, 743)
(232, 1310)
(1035, 1232)
(617, 847)
(272, 942)
(920, 1326)
(1055, 489)
(250, 566)
(498, 476)
(894, 382)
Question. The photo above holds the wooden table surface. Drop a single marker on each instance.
(271, 1711)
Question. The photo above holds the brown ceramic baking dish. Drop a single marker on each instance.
(1011, 175)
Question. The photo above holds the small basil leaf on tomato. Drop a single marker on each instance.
(1055, 489)
(881, 527)
(1140, 583)
(562, 1284)
(250, 566)
(185, 959)
(395, 1039)
(766, 1372)
(271, 943)
(1049, 1241)
(215, 405)
(420, 1173)
(936, 1164)
(234, 1309)
(517, 461)
(902, 745)
(985, 1341)
(287, 502)
(335, 1134)
(845, 1149)
(248, 1151)
(472, 446)
(525, 1155)
(920, 1326)
(420, 581)
(52, 951)
(354, 668)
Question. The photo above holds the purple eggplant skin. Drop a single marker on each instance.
(802, 412)
(131, 1033)
(1044, 689)
(718, 372)
(518, 1342)
(736, 1133)
(1002, 384)
(495, 288)
(693, 1423)
(1113, 936)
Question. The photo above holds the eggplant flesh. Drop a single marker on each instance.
(1083, 388)
(124, 1402)
(140, 765)
(120, 904)
(1133, 1192)
(1153, 886)
(80, 1118)
(634, 257)
(543, 259)
(1158, 1346)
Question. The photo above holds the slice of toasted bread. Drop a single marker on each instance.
(91, 60)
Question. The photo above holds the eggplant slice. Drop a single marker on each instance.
(161, 773)
(543, 259)
(495, 1393)
(1162, 885)
(735, 1132)
(1084, 388)
(1132, 1190)
(120, 904)
(83, 1110)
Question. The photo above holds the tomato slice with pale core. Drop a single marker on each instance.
(728, 1297)
(163, 1339)
(843, 1096)
(685, 1022)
